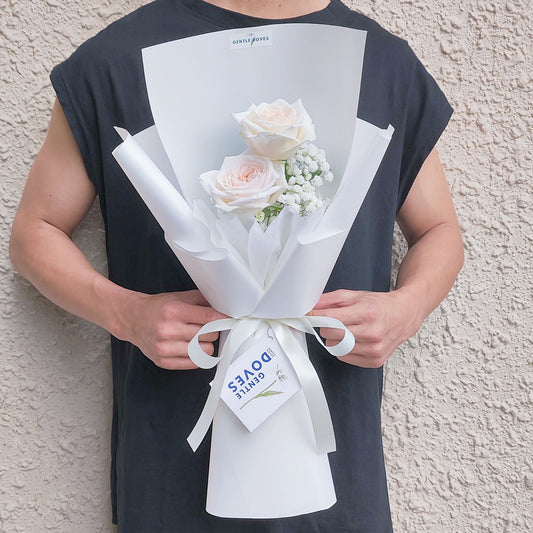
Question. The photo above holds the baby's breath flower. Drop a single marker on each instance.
(305, 171)
(313, 166)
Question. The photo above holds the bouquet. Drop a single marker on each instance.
(261, 243)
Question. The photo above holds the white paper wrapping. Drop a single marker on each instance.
(276, 274)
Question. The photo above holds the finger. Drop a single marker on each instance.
(370, 350)
(198, 314)
(349, 315)
(175, 355)
(208, 337)
(181, 349)
(338, 298)
(331, 334)
(172, 332)
(196, 299)
(361, 332)
(208, 347)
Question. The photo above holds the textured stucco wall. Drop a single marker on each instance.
(457, 402)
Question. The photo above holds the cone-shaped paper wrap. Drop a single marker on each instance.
(274, 277)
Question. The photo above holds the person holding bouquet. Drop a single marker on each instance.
(151, 307)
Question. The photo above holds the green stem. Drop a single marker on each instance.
(258, 394)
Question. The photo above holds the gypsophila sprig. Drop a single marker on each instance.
(305, 172)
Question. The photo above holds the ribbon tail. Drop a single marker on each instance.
(312, 389)
(238, 334)
(201, 427)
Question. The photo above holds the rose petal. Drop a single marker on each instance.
(244, 183)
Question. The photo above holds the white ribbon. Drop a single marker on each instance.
(241, 329)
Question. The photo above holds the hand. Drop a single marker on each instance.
(379, 321)
(162, 325)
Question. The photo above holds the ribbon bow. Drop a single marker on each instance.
(240, 330)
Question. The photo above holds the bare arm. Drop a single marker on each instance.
(382, 321)
(57, 196)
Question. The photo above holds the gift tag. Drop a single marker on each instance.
(259, 382)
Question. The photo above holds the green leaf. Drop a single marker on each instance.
(268, 393)
(264, 392)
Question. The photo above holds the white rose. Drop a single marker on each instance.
(245, 183)
(275, 130)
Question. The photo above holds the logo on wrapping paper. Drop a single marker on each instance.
(251, 39)
(259, 382)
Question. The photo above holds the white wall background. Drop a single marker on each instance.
(457, 402)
